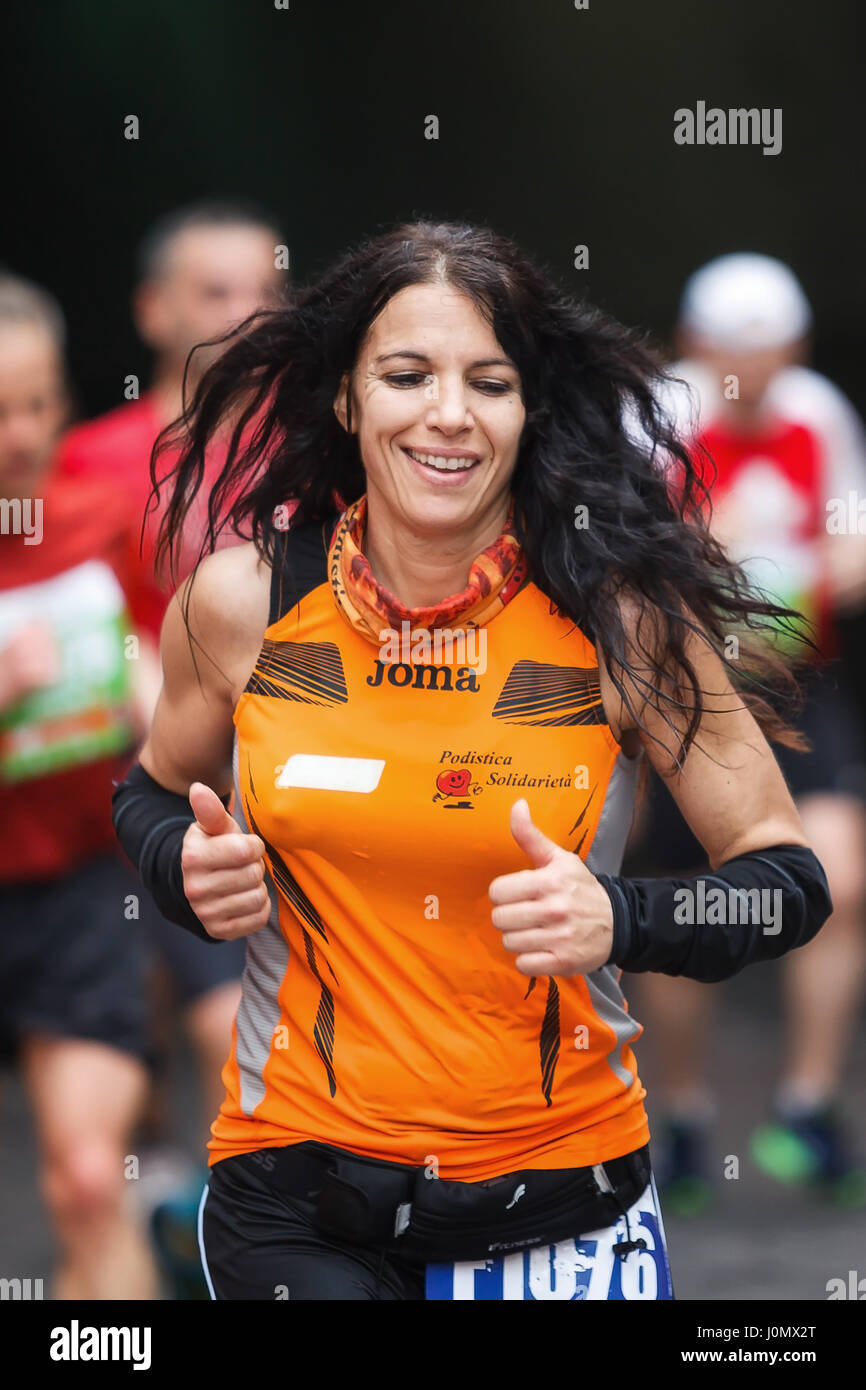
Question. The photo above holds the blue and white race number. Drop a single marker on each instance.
(583, 1268)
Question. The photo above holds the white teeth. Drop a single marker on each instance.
(444, 465)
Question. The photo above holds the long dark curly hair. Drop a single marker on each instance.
(595, 436)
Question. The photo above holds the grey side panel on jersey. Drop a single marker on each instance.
(614, 824)
(605, 857)
(259, 1010)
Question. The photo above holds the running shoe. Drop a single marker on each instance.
(812, 1148)
(683, 1167)
(174, 1228)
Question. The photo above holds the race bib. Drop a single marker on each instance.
(790, 580)
(586, 1267)
(765, 524)
(86, 713)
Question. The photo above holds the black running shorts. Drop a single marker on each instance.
(258, 1243)
(71, 962)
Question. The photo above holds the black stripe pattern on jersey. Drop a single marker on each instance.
(549, 1038)
(323, 1028)
(579, 846)
(311, 672)
(549, 1041)
(550, 696)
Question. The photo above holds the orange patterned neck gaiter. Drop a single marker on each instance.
(494, 577)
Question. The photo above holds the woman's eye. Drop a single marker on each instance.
(407, 378)
(493, 388)
(489, 386)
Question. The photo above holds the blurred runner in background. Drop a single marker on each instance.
(77, 687)
(201, 270)
(789, 448)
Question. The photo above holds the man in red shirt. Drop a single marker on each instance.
(76, 688)
(201, 271)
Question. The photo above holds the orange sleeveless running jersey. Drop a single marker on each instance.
(380, 1011)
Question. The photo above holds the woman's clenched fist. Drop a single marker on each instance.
(223, 870)
(556, 918)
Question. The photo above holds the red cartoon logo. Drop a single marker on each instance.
(455, 783)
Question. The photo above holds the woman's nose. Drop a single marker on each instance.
(448, 404)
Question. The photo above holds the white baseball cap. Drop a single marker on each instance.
(745, 301)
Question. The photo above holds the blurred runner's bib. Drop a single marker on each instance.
(769, 513)
(86, 713)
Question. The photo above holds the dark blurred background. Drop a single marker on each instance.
(556, 126)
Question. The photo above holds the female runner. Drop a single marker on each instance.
(431, 695)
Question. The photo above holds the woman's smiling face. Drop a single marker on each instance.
(438, 409)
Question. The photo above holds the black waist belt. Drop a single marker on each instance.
(410, 1212)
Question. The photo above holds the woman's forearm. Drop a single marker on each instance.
(752, 908)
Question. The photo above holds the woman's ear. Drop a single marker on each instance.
(341, 401)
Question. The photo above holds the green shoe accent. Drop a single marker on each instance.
(687, 1197)
(849, 1191)
(781, 1155)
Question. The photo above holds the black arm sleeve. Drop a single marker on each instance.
(755, 907)
(150, 824)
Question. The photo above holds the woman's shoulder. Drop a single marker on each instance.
(232, 584)
(226, 600)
